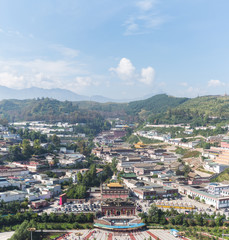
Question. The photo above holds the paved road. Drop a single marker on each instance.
(6, 235)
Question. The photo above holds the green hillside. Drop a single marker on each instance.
(197, 111)
(157, 109)
(105, 109)
(156, 104)
(224, 176)
(44, 109)
(209, 105)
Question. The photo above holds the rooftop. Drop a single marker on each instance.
(115, 185)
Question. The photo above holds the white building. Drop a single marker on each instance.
(212, 166)
(214, 200)
(14, 195)
(4, 183)
(216, 189)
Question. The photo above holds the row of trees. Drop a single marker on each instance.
(31, 135)
(31, 220)
(12, 207)
(157, 216)
(18, 218)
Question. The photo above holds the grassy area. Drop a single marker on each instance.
(224, 176)
(181, 151)
(204, 171)
(191, 154)
(50, 236)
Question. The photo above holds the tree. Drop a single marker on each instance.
(197, 198)
(15, 153)
(175, 195)
(77, 192)
(37, 147)
(55, 140)
(83, 148)
(179, 219)
(50, 148)
(199, 219)
(184, 140)
(155, 215)
(79, 177)
(27, 149)
(22, 232)
(187, 170)
(24, 205)
(219, 221)
(114, 165)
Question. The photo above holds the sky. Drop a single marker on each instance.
(121, 49)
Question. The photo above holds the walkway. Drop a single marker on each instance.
(6, 235)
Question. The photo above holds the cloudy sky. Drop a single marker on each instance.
(116, 48)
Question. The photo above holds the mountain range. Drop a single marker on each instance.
(55, 93)
(162, 108)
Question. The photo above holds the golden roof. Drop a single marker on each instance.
(115, 184)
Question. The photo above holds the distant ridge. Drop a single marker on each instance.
(55, 93)
(34, 92)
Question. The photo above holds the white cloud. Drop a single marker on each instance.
(131, 27)
(215, 83)
(142, 24)
(11, 33)
(152, 22)
(145, 19)
(125, 70)
(146, 5)
(83, 81)
(11, 80)
(147, 75)
(66, 52)
(44, 74)
(184, 84)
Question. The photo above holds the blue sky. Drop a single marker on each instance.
(120, 49)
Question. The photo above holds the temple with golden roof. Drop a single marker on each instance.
(114, 190)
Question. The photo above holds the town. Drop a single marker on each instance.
(116, 181)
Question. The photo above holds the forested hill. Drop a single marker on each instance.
(157, 109)
(45, 109)
(156, 104)
(197, 111)
(54, 110)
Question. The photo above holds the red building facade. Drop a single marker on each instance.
(113, 191)
(118, 207)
